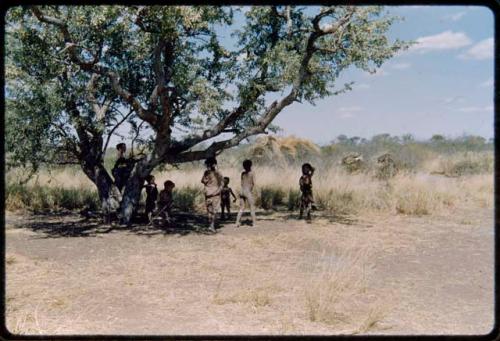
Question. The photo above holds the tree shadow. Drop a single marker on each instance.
(65, 226)
(70, 224)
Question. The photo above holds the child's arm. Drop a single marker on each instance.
(220, 180)
(234, 196)
(204, 178)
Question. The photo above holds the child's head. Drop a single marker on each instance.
(226, 181)
(150, 179)
(169, 185)
(121, 148)
(307, 169)
(210, 162)
(247, 165)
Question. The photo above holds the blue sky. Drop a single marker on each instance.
(444, 85)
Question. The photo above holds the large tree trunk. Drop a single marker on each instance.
(109, 195)
(132, 191)
(131, 197)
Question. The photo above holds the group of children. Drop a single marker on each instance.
(216, 191)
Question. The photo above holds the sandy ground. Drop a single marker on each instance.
(375, 275)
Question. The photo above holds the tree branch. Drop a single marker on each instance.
(114, 128)
(143, 113)
(70, 44)
(273, 110)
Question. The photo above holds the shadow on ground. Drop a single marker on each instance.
(71, 224)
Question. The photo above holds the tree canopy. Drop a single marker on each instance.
(75, 73)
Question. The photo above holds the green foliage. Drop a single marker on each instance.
(271, 197)
(185, 199)
(293, 201)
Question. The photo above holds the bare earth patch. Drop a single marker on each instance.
(371, 275)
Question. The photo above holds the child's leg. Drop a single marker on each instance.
(251, 203)
(240, 212)
(210, 213)
(211, 220)
(301, 207)
(222, 210)
(308, 210)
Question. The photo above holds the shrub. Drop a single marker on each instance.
(466, 164)
(338, 201)
(271, 197)
(185, 198)
(293, 199)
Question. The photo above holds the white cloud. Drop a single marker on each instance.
(442, 41)
(480, 51)
(487, 83)
(476, 109)
(346, 115)
(455, 16)
(350, 109)
(401, 66)
(415, 7)
(453, 99)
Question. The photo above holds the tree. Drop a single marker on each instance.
(437, 138)
(74, 74)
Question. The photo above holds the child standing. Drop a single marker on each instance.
(305, 183)
(166, 200)
(225, 199)
(246, 195)
(151, 196)
(213, 182)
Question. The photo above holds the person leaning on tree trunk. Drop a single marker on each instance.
(123, 166)
(151, 196)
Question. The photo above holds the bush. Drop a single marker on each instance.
(338, 201)
(466, 164)
(293, 199)
(271, 197)
(185, 198)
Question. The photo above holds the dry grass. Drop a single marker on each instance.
(335, 190)
(460, 164)
(338, 293)
(10, 260)
(258, 297)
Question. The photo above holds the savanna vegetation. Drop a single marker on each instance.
(432, 176)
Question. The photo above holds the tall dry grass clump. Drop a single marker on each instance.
(336, 293)
(460, 164)
(44, 198)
